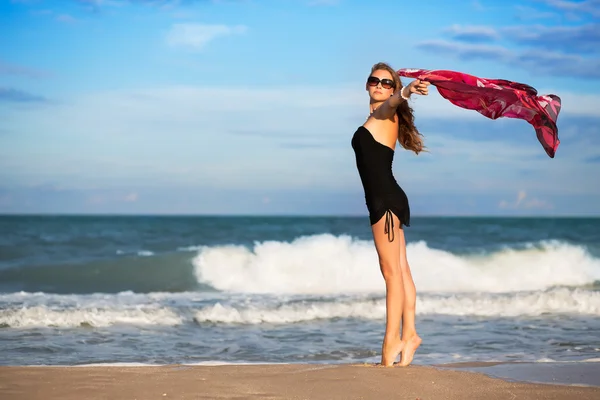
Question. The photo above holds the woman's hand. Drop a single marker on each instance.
(419, 87)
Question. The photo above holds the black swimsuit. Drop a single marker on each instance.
(383, 195)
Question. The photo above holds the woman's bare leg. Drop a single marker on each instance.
(410, 339)
(390, 265)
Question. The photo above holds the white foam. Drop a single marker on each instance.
(108, 310)
(550, 360)
(43, 316)
(141, 253)
(117, 364)
(555, 301)
(327, 264)
(290, 313)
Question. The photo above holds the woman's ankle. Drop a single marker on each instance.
(392, 338)
(409, 334)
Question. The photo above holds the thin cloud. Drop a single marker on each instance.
(542, 62)
(473, 34)
(531, 13)
(593, 160)
(18, 96)
(7, 68)
(524, 202)
(587, 7)
(570, 39)
(324, 2)
(546, 50)
(107, 196)
(131, 197)
(466, 51)
(557, 64)
(197, 36)
(66, 18)
(260, 139)
(477, 5)
(96, 6)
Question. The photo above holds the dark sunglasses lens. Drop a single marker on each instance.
(387, 83)
(373, 81)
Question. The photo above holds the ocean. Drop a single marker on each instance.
(207, 289)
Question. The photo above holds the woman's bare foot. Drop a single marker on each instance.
(409, 348)
(391, 349)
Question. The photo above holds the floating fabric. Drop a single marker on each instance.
(496, 98)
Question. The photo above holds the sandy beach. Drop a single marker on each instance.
(275, 381)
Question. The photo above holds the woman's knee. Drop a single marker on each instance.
(404, 267)
(390, 269)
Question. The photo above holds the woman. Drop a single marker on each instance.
(374, 142)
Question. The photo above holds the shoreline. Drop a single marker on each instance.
(570, 373)
(553, 372)
(300, 381)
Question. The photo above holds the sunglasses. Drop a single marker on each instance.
(385, 83)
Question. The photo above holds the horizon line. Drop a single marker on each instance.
(282, 215)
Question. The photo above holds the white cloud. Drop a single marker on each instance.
(197, 36)
(105, 197)
(523, 202)
(19, 70)
(481, 31)
(534, 59)
(584, 105)
(477, 5)
(244, 136)
(591, 7)
(131, 197)
(96, 199)
(324, 2)
(529, 13)
(66, 18)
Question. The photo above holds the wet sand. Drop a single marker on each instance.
(274, 381)
(563, 373)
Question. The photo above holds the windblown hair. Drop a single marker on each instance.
(408, 135)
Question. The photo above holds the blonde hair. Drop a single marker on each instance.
(408, 135)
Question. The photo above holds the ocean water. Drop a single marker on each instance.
(153, 290)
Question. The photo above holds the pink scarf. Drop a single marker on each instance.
(495, 98)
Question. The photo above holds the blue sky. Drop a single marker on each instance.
(248, 107)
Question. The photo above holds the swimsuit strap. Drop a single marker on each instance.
(389, 220)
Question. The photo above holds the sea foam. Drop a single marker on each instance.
(327, 264)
